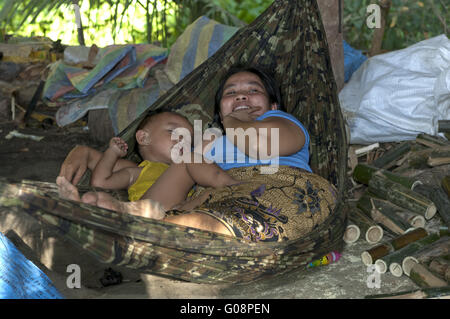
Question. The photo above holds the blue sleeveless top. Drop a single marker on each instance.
(226, 155)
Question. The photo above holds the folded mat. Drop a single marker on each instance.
(137, 75)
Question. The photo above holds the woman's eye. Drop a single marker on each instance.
(230, 92)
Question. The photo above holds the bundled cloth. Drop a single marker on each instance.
(396, 96)
(128, 79)
(119, 70)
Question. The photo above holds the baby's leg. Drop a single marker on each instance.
(145, 208)
(90, 198)
(171, 188)
(66, 189)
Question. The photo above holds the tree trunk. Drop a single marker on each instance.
(78, 22)
(370, 256)
(332, 22)
(377, 38)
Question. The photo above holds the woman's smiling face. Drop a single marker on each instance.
(245, 92)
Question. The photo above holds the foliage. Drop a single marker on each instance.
(144, 21)
(408, 22)
(121, 21)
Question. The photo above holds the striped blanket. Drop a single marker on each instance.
(128, 79)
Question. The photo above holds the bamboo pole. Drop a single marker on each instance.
(401, 196)
(386, 214)
(363, 173)
(370, 256)
(446, 185)
(443, 231)
(391, 156)
(425, 293)
(423, 277)
(431, 141)
(444, 126)
(439, 157)
(438, 197)
(441, 266)
(372, 232)
(351, 234)
(418, 159)
(394, 259)
(425, 254)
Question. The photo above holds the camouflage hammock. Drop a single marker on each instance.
(288, 38)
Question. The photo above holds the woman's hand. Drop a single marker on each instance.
(82, 158)
(75, 164)
(243, 116)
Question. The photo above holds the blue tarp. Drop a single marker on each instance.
(20, 278)
(352, 60)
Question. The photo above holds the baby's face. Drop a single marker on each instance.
(161, 130)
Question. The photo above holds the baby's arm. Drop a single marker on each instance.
(103, 175)
(209, 175)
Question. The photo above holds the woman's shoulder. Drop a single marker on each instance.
(290, 117)
(277, 113)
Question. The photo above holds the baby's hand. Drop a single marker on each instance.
(119, 146)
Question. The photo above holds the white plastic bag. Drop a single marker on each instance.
(397, 95)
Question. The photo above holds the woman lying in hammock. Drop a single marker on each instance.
(285, 202)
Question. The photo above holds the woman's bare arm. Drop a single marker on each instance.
(81, 158)
(290, 137)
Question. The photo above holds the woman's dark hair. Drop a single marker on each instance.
(268, 81)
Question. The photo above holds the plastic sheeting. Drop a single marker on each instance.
(352, 60)
(20, 278)
(395, 96)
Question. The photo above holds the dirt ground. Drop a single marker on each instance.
(22, 158)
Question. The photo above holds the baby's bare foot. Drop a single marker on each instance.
(66, 189)
(90, 198)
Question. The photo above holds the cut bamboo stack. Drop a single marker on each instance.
(401, 206)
